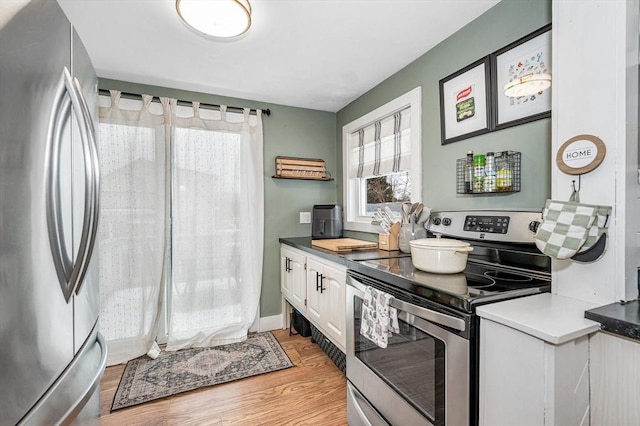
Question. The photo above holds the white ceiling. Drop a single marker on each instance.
(318, 54)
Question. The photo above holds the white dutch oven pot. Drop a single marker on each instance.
(439, 255)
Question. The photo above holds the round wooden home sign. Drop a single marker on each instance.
(581, 154)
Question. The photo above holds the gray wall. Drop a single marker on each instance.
(288, 131)
(316, 134)
(504, 23)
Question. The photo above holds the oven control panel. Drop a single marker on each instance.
(489, 225)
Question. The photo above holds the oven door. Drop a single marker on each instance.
(422, 377)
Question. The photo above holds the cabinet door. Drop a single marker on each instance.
(314, 294)
(285, 273)
(298, 283)
(333, 303)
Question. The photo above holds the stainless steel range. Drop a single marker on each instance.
(428, 374)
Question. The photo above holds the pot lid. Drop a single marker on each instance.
(438, 243)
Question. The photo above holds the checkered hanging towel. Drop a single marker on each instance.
(379, 318)
(569, 227)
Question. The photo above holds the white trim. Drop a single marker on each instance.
(284, 316)
(614, 119)
(273, 322)
(255, 326)
(412, 99)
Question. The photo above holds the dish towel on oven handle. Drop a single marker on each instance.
(379, 318)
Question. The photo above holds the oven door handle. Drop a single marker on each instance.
(429, 315)
(419, 311)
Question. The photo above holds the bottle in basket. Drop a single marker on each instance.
(504, 181)
(468, 173)
(478, 173)
(489, 173)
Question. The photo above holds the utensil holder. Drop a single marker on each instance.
(408, 232)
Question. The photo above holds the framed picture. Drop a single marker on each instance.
(529, 55)
(464, 102)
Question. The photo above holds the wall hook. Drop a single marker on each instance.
(573, 182)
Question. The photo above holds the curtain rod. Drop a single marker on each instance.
(126, 95)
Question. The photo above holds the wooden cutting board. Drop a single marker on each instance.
(342, 245)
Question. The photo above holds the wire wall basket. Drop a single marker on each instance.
(500, 178)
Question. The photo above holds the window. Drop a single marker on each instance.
(382, 160)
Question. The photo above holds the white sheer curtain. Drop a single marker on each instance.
(213, 166)
(132, 226)
(217, 228)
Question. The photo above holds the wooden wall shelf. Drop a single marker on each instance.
(302, 178)
(301, 168)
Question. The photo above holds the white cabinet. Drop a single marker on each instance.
(534, 361)
(527, 381)
(315, 287)
(293, 280)
(314, 290)
(326, 298)
(335, 318)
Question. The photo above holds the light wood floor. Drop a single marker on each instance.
(313, 392)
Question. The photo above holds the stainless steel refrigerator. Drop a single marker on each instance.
(51, 353)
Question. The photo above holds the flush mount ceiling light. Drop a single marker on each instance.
(217, 18)
(527, 85)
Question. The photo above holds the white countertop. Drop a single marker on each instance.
(549, 317)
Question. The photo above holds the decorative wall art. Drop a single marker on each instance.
(464, 102)
(529, 55)
(581, 154)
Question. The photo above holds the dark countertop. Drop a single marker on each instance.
(618, 318)
(351, 259)
(304, 244)
(405, 282)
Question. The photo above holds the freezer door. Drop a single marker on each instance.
(72, 392)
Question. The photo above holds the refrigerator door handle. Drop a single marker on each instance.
(95, 168)
(94, 383)
(70, 271)
(66, 398)
(92, 168)
(62, 256)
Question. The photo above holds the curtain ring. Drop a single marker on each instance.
(115, 98)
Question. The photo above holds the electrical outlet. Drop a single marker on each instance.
(305, 217)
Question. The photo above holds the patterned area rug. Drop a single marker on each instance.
(145, 379)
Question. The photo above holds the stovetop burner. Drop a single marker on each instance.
(504, 264)
(483, 281)
(476, 285)
(507, 276)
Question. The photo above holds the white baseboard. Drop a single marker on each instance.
(273, 322)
